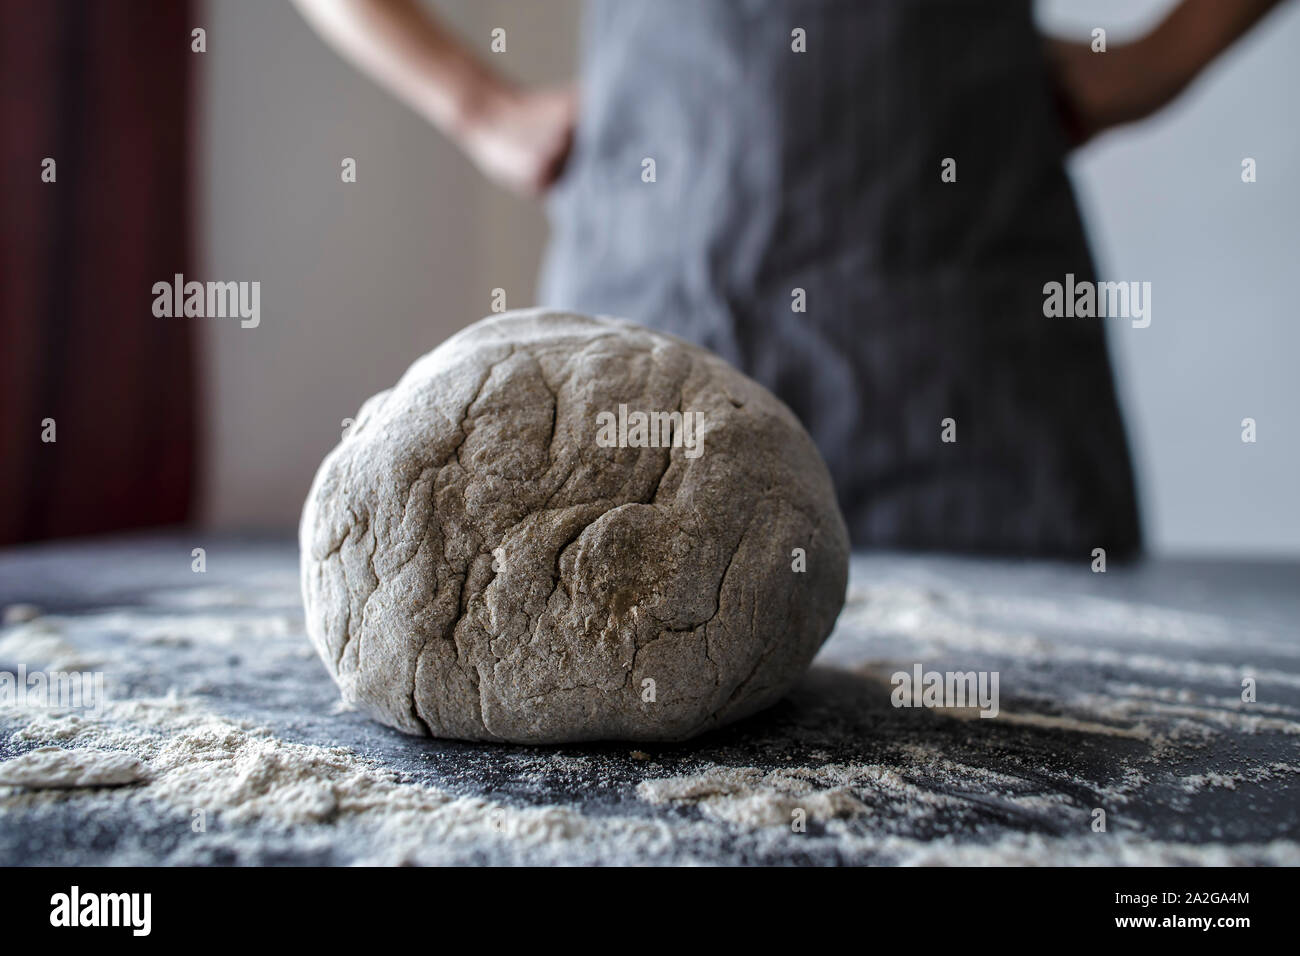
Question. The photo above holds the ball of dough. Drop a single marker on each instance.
(498, 550)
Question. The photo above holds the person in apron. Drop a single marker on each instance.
(860, 204)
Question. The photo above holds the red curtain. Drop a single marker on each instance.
(104, 90)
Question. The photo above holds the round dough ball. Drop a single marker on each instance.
(483, 560)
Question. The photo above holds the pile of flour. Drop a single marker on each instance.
(244, 780)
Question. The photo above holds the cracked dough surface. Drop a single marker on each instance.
(476, 566)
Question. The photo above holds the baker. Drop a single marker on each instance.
(859, 205)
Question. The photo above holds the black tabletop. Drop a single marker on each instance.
(1147, 714)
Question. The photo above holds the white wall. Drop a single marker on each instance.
(357, 280)
(1165, 203)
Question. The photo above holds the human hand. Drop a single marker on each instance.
(521, 138)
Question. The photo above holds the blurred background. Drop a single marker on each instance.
(231, 172)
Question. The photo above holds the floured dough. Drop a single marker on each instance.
(478, 562)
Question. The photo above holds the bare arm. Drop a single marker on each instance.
(1197, 31)
(1134, 80)
(518, 137)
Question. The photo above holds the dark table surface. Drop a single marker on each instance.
(1120, 692)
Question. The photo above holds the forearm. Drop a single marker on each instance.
(408, 52)
(1193, 34)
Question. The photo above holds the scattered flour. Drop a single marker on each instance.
(750, 797)
(19, 614)
(40, 643)
(195, 628)
(224, 598)
(240, 775)
(1210, 780)
(160, 757)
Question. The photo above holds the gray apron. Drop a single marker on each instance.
(820, 171)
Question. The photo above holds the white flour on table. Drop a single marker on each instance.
(179, 756)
